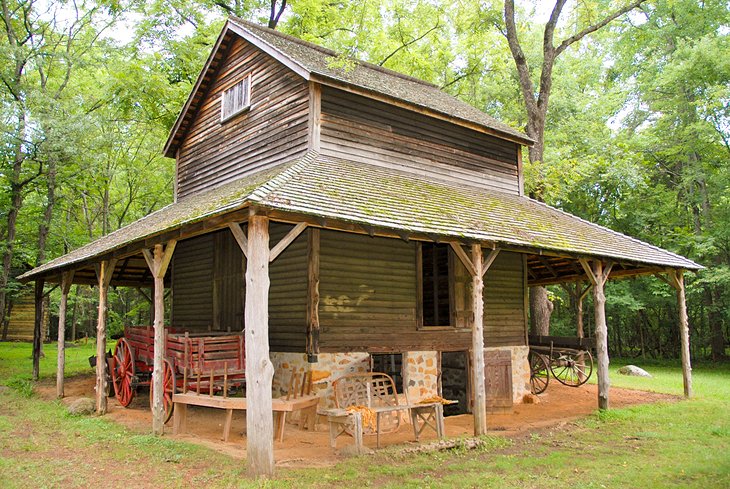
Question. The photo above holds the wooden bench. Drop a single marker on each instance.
(280, 407)
(376, 392)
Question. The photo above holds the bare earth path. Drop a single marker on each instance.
(558, 405)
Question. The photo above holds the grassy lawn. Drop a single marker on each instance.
(678, 444)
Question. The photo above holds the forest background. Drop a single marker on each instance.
(636, 134)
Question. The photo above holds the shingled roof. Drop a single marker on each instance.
(345, 191)
(314, 62)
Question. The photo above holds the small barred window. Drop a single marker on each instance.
(236, 99)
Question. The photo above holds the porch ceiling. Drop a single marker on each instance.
(325, 191)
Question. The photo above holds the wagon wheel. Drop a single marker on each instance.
(539, 374)
(123, 372)
(573, 368)
(168, 387)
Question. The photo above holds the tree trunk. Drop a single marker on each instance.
(540, 311)
(16, 200)
(45, 225)
(259, 370)
(477, 343)
(66, 280)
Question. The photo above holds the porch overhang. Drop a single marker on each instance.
(353, 197)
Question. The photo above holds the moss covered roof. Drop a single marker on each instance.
(369, 195)
(196, 208)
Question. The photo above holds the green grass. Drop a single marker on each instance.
(663, 445)
(16, 360)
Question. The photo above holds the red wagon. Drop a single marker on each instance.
(199, 362)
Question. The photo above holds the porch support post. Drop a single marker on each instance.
(677, 281)
(37, 339)
(598, 275)
(158, 261)
(312, 343)
(104, 272)
(259, 370)
(477, 343)
(66, 281)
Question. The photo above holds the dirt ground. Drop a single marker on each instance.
(557, 405)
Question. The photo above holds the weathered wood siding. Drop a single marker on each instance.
(504, 304)
(273, 131)
(228, 283)
(368, 299)
(209, 288)
(192, 284)
(360, 129)
(288, 293)
(22, 318)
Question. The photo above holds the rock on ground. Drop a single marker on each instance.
(83, 405)
(634, 371)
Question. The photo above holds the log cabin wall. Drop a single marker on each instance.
(360, 129)
(368, 299)
(208, 287)
(288, 293)
(272, 131)
(192, 284)
(504, 302)
(228, 266)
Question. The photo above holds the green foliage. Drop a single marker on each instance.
(637, 131)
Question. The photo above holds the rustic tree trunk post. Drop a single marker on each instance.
(677, 281)
(313, 295)
(598, 275)
(104, 272)
(477, 343)
(66, 281)
(158, 263)
(259, 370)
(37, 328)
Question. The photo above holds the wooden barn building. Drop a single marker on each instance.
(349, 215)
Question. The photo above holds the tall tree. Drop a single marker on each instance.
(38, 57)
(536, 100)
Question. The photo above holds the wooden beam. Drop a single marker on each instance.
(677, 277)
(66, 281)
(314, 122)
(489, 260)
(547, 265)
(158, 262)
(599, 309)
(477, 343)
(259, 370)
(166, 258)
(312, 341)
(144, 294)
(240, 237)
(37, 324)
(286, 241)
(105, 271)
(589, 271)
(464, 258)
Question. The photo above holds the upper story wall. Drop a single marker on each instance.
(272, 131)
(357, 128)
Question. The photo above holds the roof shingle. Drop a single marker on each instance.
(370, 195)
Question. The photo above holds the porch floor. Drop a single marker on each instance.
(559, 404)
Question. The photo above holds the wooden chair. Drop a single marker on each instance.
(376, 392)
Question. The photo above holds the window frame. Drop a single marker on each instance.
(419, 291)
(247, 79)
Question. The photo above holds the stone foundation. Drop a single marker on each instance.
(421, 374)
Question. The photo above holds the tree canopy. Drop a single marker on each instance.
(636, 135)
